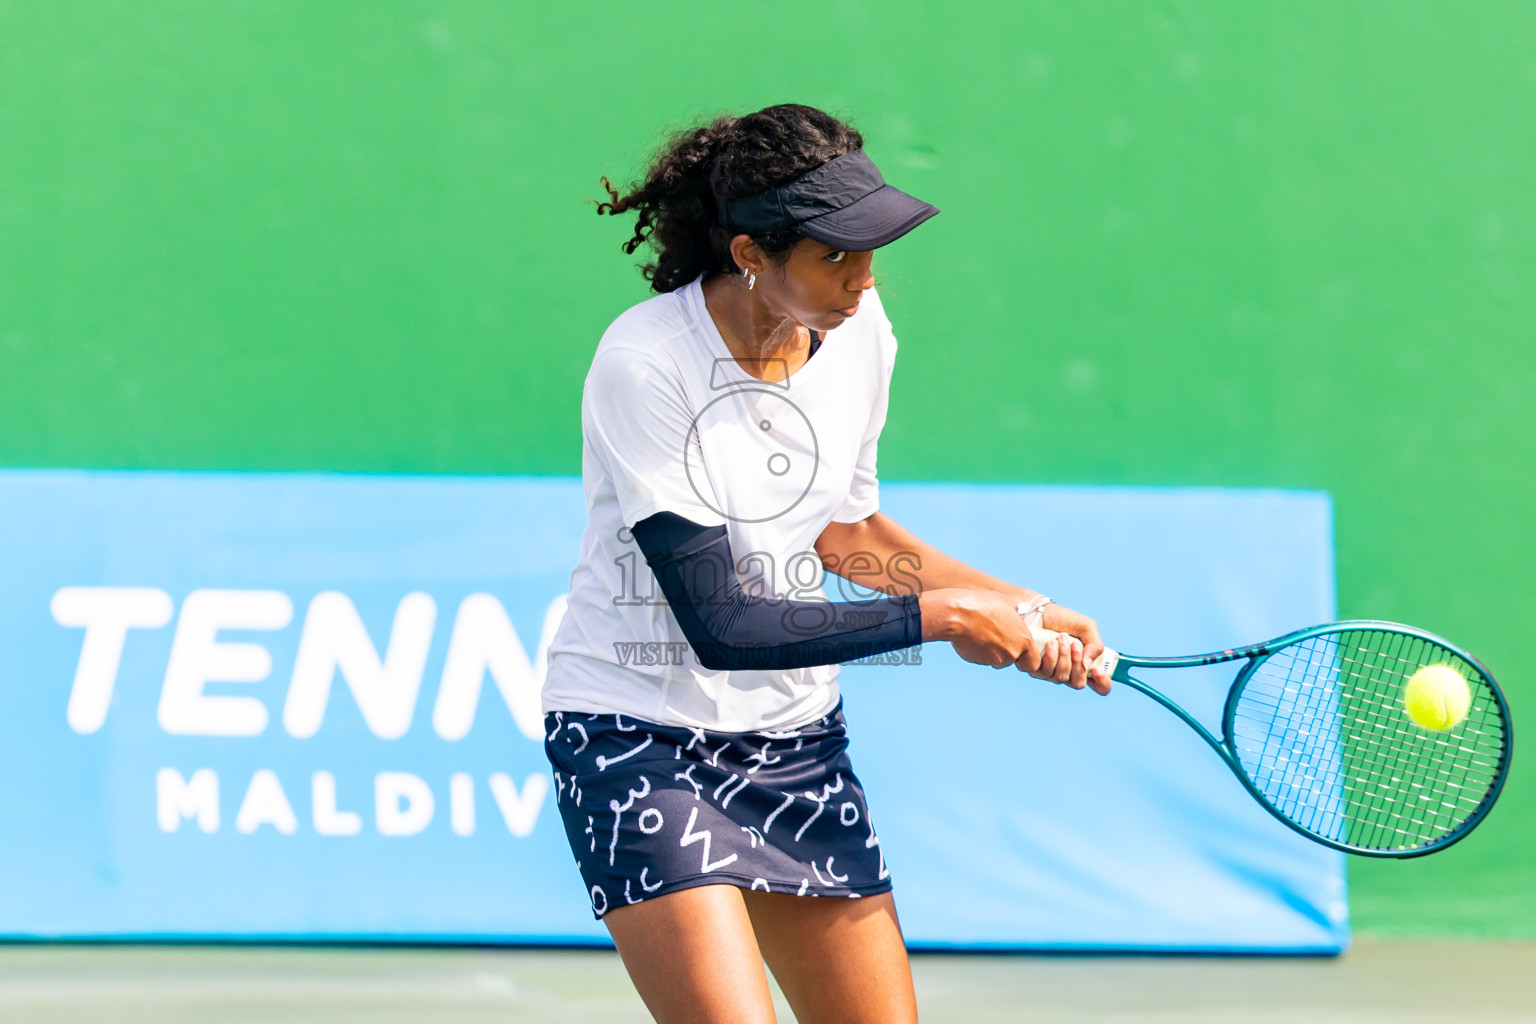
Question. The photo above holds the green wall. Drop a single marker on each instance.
(1260, 244)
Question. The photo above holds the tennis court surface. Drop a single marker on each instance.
(1400, 982)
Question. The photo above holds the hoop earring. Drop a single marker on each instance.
(746, 272)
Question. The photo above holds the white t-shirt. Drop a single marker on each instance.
(672, 423)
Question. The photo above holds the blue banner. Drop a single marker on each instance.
(306, 706)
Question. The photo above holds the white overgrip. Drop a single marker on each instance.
(1106, 661)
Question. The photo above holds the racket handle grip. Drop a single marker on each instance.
(1106, 662)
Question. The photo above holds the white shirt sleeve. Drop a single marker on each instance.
(864, 492)
(637, 421)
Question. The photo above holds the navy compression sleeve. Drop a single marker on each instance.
(729, 629)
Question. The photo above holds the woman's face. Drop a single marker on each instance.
(818, 286)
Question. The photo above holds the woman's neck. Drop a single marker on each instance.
(765, 345)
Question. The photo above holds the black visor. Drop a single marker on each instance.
(844, 203)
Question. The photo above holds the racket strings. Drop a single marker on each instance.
(1391, 721)
(1294, 740)
(1404, 770)
(1391, 757)
(1321, 766)
(1321, 730)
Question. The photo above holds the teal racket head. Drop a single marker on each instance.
(1320, 728)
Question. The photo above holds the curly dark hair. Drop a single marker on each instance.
(699, 170)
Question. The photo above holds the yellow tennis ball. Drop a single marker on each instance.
(1437, 697)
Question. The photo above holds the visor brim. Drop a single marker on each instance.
(878, 219)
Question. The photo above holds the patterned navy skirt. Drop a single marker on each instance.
(650, 809)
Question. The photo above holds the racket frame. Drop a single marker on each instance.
(1255, 653)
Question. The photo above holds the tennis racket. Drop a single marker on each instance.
(1316, 728)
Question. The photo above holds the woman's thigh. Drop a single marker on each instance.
(693, 956)
(836, 959)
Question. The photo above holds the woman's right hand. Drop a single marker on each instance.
(986, 628)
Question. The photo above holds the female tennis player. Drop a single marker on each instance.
(730, 426)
